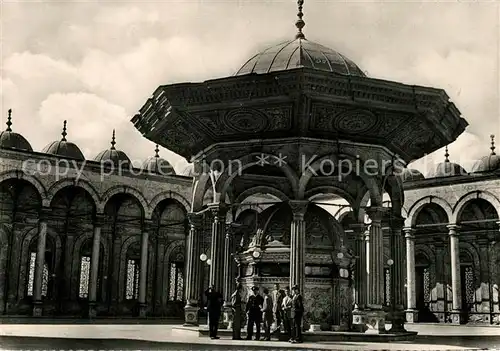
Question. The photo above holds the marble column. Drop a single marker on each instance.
(94, 265)
(193, 270)
(298, 244)
(40, 261)
(397, 276)
(411, 292)
(375, 316)
(360, 277)
(143, 271)
(217, 247)
(228, 278)
(456, 284)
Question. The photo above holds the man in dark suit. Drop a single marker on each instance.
(297, 314)
(236, 306)
(214, 306)
(254, 314)
(267, 314)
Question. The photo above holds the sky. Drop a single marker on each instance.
(95, 63)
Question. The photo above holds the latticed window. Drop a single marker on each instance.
(387, 281)
(31, 276)
(427, 285)
(469, 284)
(176, 288)
(132, 282)
(84, 277)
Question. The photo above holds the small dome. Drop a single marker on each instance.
(64, 148)
(488, 163)
(300, 53)
(410, 175)
(112, 156)
(156, 164)
(448, 169)
(11, 140)
(188, 171)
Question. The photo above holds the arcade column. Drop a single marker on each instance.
(193, 270)
(228, 279)
(375, 316)
(411, 292)
(40, 261)
(456, 284)
(298, 244)
(397, 276)
(143, 272)
(217, 267)
(360, 278)
(94, 264)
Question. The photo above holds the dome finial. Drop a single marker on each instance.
(9, 123)
(64, 132)
(492, 148)
(113, 142)
(157, 150)
(446, 155)
(300, 23)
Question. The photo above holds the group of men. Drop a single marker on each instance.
(283, 308)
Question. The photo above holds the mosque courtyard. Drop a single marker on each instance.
(73, 336)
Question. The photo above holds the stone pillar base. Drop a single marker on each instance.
(411, 316)
(375, 321)
(457, 317)
(397, 322)
(191, 317)
(37, 309)
(358, 321)
(92, 312)
(228, 317)
(143, 310)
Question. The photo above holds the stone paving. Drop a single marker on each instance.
(163, 337)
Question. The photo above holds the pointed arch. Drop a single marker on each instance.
(76, 182)
(463, 201)
(124, 189)
(166, 195)
(419, 205)
(35, 182)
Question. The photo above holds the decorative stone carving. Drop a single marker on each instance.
(245, 120)
(355, 122)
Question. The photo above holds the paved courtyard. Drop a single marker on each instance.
(163, 337)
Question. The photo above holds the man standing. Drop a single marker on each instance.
(267, 314)
(297, 314)
(277, 309)
(236, 306)
(287, 312)
(254, 314)
(214, 305)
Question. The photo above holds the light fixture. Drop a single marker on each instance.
(203, 257)
(344, 273)
(256, 254)
(340, 255)
(390, 261)
(308, 270)
(209, 261)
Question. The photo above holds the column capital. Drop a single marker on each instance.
(195, 220)
(359, 230)
(376, 213)
(397, 222)
(453, 229)
(148, 225)
(44, 213)
(218, 211)
(99, 219)
(498, 223)
(409, 232)
(299, 208)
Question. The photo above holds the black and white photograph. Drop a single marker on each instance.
(250, 175)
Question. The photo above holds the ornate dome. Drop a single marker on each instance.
(410, 175)
(188, 171)
(115, 157)
(11, 140)
(156, 164)
(300, 53)
(64, 148)
(447, 168)
(488, 163)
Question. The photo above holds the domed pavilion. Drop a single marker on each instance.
(298, 121)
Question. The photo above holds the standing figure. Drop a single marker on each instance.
(297, 314)
(236, 306)
(287, 312)
(254, 315)
(214, 306)
(267, 314)
(277, 309)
